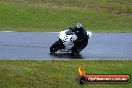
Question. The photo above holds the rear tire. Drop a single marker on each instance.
(56, 46)
(75, 51)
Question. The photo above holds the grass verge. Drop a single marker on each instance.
(55, 15)
(58, 74)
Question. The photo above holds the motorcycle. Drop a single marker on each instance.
(66, 41)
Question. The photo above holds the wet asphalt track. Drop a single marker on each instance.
(35, 46)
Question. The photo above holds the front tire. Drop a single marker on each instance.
(56, 46)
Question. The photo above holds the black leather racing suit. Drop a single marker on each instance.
(82, 39)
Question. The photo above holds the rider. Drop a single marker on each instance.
(82, 38)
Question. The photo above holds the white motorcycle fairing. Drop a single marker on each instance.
(68, 40)
(89, 33)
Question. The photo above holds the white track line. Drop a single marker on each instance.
(6, 31)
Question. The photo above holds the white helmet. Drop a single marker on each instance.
(79, 25)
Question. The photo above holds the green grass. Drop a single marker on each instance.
(58, 74)
(55, 15)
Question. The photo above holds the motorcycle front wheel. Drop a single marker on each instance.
(56, 46)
